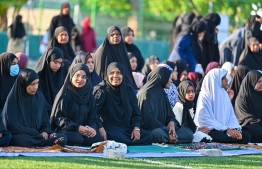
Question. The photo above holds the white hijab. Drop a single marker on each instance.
(214, 109)
(228, 66)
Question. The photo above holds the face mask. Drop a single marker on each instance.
(14, 70)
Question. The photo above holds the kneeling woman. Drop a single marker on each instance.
(74, 111)
(215, 111)
(117, 105)
(25, 114)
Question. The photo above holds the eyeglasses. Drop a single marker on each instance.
(60, 64)
(78, 76)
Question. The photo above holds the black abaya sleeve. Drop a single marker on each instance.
(136, 114)
(100, 99)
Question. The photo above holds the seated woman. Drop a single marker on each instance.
(5, 136)
(117, 106)
(184, 112)
(25, 114)
(150, 64)
(158, 117)
(215, 111)
(74, 109)
(138, 76)
(87, 59)
(248, 105)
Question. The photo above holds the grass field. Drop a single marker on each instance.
(233, 162)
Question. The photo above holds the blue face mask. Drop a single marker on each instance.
(14, 70)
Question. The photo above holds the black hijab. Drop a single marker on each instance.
(17, 28)
(67, 50)
(187, 120)
(108, 53)
(153, 101)
(6, 80)
(117, 97)
(83, 57)
(133, 48)
(170, 64)
(181, 66)
(249, 58)
(49, 82)
(25, 113)
(239, 74)
(248, 102)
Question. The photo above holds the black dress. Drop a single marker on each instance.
(25, 115)
(75, 107)
(117, 107)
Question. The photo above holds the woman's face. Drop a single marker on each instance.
(129, 39)
(115, 37)
(14, 62)
(183, 76)
(224, 82)
(174, 74)
(154, 64)
(32, 88)
(90, 64)
(115, 77)
(79, 79)
(254, 47)
(167, 86)
(56, 64)
(190, 93)
(258, 86)
(133, 63)
(62, 37)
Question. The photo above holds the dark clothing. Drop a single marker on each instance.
(17, 28)
(146, 68)
(75, 107)
(5, 140)
(25, 115)
(108, 53)
(181, 67)
(222, 137)
(118, 110)
(49, 82)
(256, 132)
(6, 80)
(133, 49)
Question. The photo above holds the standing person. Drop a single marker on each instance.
(158, 117)
(74, 110)
(9, 69)
(63, 19)
(25, 114)
(248, 105)
(88, 37)
(50, 71)
(113, 50)
(17, 36)
(22, 60)
(128, 37)
(60, 40)
(117, 107)
(215, 111)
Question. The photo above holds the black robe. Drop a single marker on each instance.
(248, 102)
(181, 67)
(117, 107)
(133, 49)
(17, 28)
(108, 53)
(6, 80)
(153, 102)
(74, 107)
(82, 58)
(25, 115)
(49, 82)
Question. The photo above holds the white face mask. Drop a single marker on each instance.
(14, 70)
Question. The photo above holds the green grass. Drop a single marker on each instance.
(233, 162)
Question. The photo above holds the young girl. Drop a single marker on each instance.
(137, 75)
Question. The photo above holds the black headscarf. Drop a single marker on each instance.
(153, 102)
(171, 64)
(187, 120)
(108, 53)
(248, 102)
(6, 80)
(181, 66)
(133, 48)
(17, 28)
(49, 82)
(25, 113)
(251, 59)
(187, 20)
(67, 50)
(239, 74)
(83, 57)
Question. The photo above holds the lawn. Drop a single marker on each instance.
(234, 162)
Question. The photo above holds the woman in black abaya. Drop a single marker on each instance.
(117, 106)
(51, 78)
(74, 110)
(25, 114)
(113, 50)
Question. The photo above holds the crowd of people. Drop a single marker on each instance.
(78, 94)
